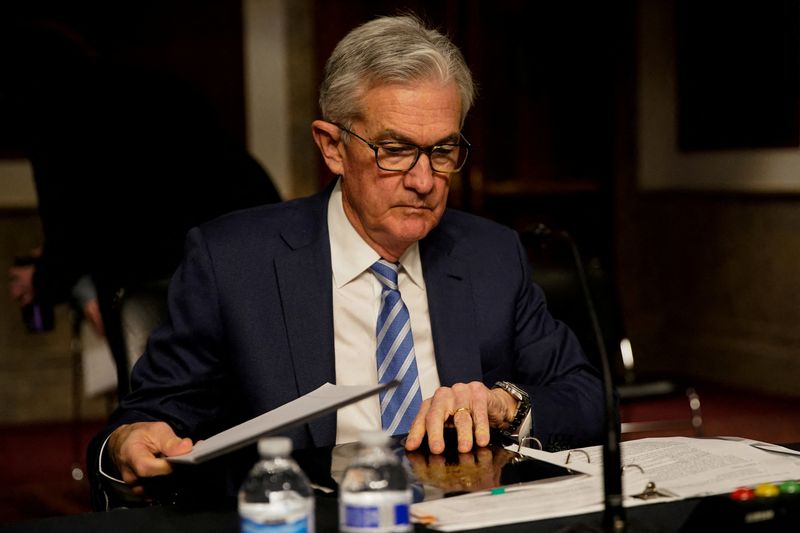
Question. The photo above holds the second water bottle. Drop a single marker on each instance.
(374, 495)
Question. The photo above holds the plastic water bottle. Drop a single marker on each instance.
(276, 497)
(374, 495)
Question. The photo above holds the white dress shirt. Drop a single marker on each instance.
(356, 302)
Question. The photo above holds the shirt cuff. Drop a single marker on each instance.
(526, 427)
(100, 461)
(117, 493)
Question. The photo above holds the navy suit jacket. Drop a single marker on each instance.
(251, 326)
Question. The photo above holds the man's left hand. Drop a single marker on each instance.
(472, 408)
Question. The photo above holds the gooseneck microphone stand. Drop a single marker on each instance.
(614, 513)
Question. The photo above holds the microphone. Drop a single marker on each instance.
(614, 513)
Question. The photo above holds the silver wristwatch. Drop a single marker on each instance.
(516, 428)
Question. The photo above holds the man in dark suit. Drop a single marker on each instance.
(272, 302)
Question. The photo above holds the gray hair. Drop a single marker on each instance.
(389, 50)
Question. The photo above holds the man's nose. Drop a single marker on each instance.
(420, 177)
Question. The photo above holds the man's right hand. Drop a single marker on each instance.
(138, 451)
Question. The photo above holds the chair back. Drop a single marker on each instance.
(558, 265)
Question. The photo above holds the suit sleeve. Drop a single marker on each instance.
(565, 389)
(182, 377)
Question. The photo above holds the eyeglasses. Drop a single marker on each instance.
(396, 156)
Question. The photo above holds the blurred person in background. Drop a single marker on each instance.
(125, 161)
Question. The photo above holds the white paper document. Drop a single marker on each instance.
(316, 403)
(690, 467)
(680, 467)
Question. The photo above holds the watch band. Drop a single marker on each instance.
(523, 409)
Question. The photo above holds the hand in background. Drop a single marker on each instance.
(91, 312)
(20, 283)
(20, 277)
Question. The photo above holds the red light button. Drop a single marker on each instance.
(743, 494)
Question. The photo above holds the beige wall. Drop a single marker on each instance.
(16, 184)
(710, 279)
(279, 92)
(711, 286)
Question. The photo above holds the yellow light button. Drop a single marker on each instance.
(767, 490)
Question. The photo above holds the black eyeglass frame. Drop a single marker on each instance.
(428, 150)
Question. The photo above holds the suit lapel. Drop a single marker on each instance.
(452, 309)
(304, 281)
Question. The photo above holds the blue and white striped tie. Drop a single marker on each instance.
(395, 354)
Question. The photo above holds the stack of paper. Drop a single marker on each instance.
(679, 468)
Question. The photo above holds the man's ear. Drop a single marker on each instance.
(329, 140)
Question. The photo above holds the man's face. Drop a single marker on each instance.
(391, 210)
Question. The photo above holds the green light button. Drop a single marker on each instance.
(767, 490)
(790, 487)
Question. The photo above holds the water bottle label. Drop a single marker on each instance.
(362, 517)
(297, 526)
(401, 514)
(366, 517)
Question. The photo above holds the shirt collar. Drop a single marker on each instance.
(351, 255)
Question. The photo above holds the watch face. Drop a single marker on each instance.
(512, 389)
